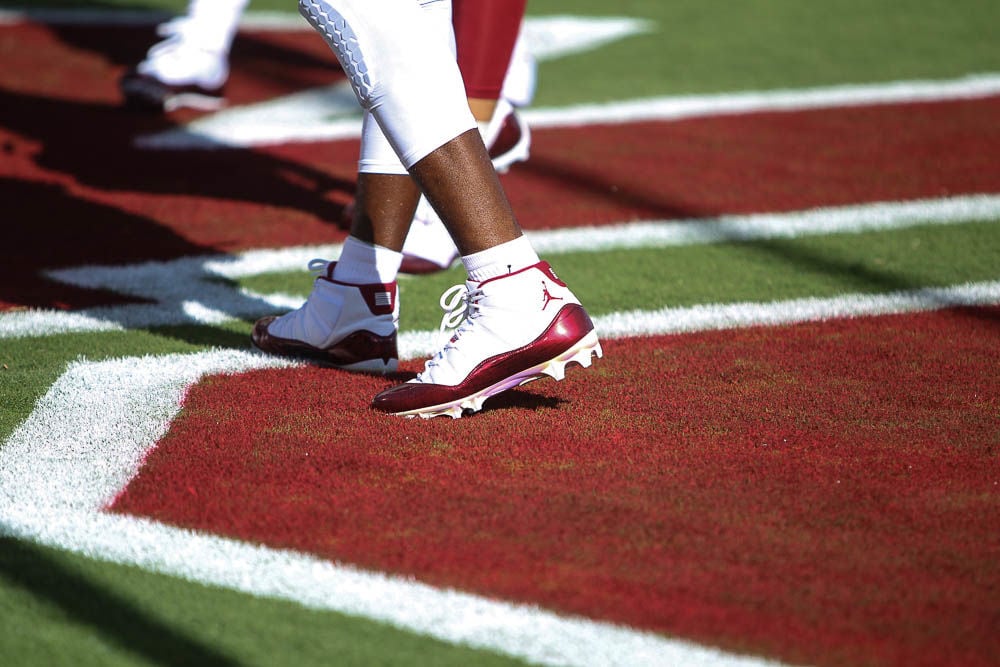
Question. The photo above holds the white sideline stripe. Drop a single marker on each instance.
(710, 317)
(973, 86)
(879, 216)
(329, 113)
(188, 290)
(87, 438)
(814, 309)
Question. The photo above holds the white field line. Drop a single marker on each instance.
(87, 438)
(330, 113)
(974, 86)
(189, 290)
(709, 317)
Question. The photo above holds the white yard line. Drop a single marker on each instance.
(188, 290)
(708, 317)
(974, 86)
(330, 113)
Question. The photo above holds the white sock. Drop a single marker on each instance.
(363, 263)
(500, 260)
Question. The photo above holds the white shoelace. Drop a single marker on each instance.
(461, 308)
(318, 266)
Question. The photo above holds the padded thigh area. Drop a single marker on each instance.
(399, 57)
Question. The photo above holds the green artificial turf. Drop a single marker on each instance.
(767, 270)
(719, 45)
(699, 46)
(60, 609)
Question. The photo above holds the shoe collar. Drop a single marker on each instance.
(542, 266)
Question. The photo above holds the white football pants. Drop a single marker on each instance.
(399, 57)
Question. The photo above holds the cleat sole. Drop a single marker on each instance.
(581, 353)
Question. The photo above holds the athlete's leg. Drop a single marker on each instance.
(351, 315)
(485, 34)
(413, 88)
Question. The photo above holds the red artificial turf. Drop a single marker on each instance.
(759, 162)
(823, 493)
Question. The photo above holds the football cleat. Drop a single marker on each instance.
(145, 92)
(188, 68)
(352, 327)
(509, 141)
(428, 247)
(511, 330)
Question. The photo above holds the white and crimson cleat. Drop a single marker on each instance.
(352, 327)
(428, 247)
(188, 68)
(507, 137)
(514, 329)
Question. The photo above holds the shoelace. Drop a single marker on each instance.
(461, 308)
(318, 266)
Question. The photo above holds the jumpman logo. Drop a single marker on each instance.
(547, 296)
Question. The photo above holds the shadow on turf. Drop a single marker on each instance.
(523, 399)
(59, 142)
(206, 336)
(117, 620)
(510, 399)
